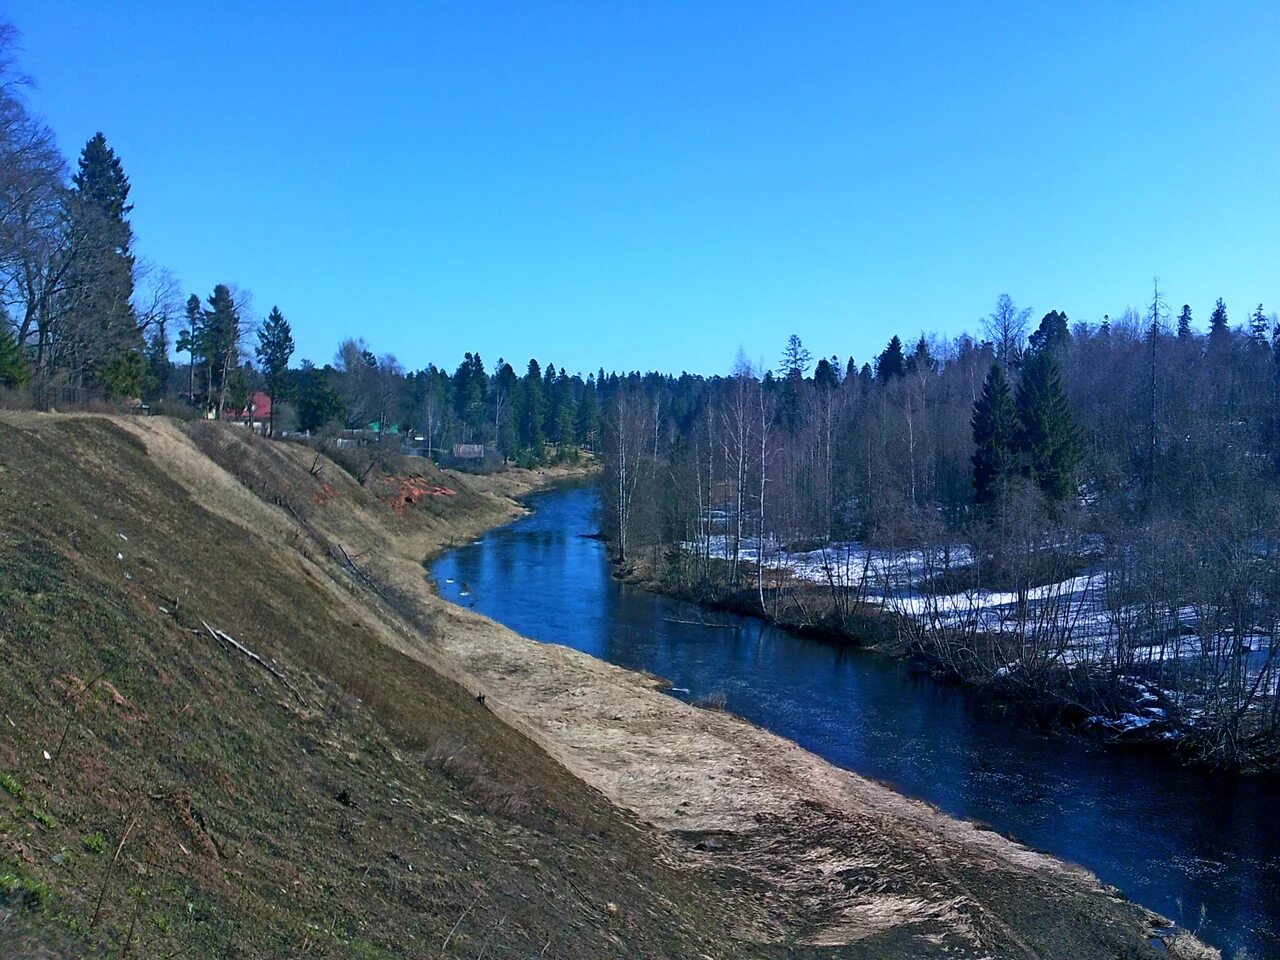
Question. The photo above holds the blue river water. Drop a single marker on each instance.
(1201, 848)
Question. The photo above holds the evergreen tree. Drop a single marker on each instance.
(159, 365)
(795, 359)
(219, 342)
(470, 386)
(532, 435)
(1052, 333)
(505, 394)
(792, 368)
(921, 360)
(549, 403)
(588, 427)
(275, 347)
(100, 319)
(1258, 328)
(1184, 322)
(891, 362)
(826, 375)
(565, 412)
(189, 341)
(1219, 328)
(238, 389)
(995, 437)
(123, 375)
(850, 370)
(318, 403)
(1048, 436)
(13, 370)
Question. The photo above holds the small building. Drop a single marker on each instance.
(256, 413)
(468, 451)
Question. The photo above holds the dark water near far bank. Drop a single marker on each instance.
(1176, 840)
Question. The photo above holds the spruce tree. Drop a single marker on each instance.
(1258, 328)
(1219, 328)
(891, 362)
(795, 359)
(921, 360)
(505, 394)
(532, 435)
(220, 345)
(1184, 322)
(995, 438)
(275, 347)
(1047, 432)
(470, 385)
(589, 416)
(549, 403)
(566, 410)
(99, 283)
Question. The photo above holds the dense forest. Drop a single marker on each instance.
(1086, 513)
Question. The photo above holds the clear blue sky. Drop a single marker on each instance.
(651, 185)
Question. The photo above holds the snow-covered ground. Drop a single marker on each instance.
(1073, 613)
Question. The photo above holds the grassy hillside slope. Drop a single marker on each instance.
(162, 794)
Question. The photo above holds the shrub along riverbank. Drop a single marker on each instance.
(1076, 697)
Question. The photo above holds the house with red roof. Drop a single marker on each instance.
(257, 412)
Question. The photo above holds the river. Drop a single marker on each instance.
(1203, 849)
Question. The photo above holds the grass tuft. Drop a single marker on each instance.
(10, 785)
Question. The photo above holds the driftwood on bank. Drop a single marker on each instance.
(235, 644)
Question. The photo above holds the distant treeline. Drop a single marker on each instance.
(1137, 453)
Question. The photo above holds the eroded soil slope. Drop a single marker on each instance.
(194, 806)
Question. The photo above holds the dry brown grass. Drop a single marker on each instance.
(495, 792)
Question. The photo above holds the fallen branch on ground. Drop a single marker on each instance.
(237, 645)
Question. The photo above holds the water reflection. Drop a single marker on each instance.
(1173, 839)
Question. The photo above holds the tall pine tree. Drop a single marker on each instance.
(891, 363)
(532, 435)
(921, 360)
(1048, 436)
(1258, 329)
(1219, 328)
(101, 325)
(588, 428)
(1184, 322)
(275, 347)
(995, 438)
(220, 345)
